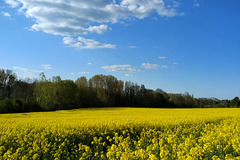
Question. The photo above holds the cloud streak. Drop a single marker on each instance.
(196, 3)
(47, 66)
(12, 3)
(82, 43)
(24, 73)
(162, 57)
(129, 75)
(152, 66)
(82, 73)
(98, 29)
(6, 14)
(132, 46)
(121, 68)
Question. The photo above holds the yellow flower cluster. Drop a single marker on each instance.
(122, 133)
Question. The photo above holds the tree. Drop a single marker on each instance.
(112, 89)
(59, 94)
(188, 100)
(46, 94)
(119, 93)
(98, 91)
(235, 102)
(177, 100)
(98, 86)
(84, 98)
(129, 93)
(66, 92)
(7, 81)
(82, 82)
(42, 77)
(224, 103)
(55, 79)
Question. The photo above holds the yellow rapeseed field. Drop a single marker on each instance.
(122, 133)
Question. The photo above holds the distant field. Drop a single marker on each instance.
(122, 133)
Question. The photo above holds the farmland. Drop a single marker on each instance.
(122, 133)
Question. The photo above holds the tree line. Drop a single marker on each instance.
(99, 91)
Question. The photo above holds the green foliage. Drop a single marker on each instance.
(46, 95)
(67, 94)
(98, 91)
(7, 81)
(56, 95)
(107, 89)
(6, 106)
(235, 102)
(18, 105)
(82, 82)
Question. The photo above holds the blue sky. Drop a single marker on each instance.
(176, 45)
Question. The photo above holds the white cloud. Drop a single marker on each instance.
(24, 73)
(75, 18)
(82, 43)
(132, 46)
(81, 73)
(121, 68)
(3, 67)
(47, 66)
(152, 66)
(129, 75)
(182, 14)
(162, 57)
(196, 3)
(149, 66)
(6, 14)
(89, 63)
(175, 63)
(99, 29)
(164, 66)
(12, 3)
(155, 18)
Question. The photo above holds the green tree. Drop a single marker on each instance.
(55, 79)
(59, 94)
(42, 77)
(7, 81)
(188, 100)
(82, 82)
(67, 94)
(98, 84)
(235, 102)
(46, 94)
(84, 98)
(177, 100)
